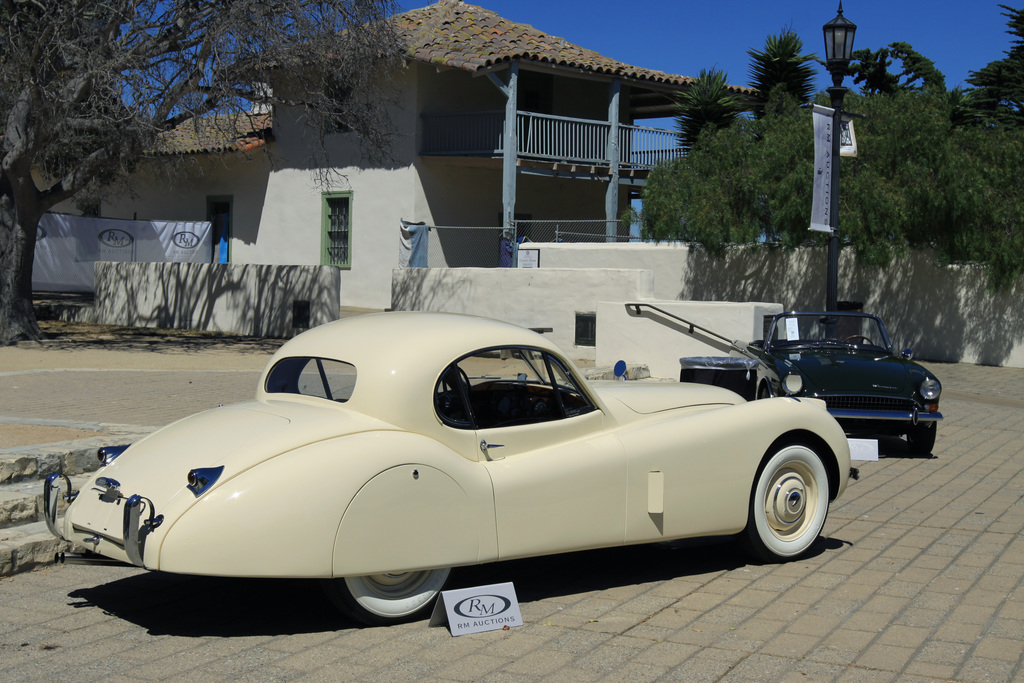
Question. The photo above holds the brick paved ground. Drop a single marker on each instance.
(920, 576)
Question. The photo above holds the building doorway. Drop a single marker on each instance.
(218, 212)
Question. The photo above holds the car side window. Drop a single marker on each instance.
(321, 377)
(507, 387)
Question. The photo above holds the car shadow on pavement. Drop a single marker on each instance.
(200, 606)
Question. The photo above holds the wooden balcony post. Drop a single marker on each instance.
(611, 199)
(510, 148)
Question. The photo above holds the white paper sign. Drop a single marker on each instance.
(528, 258)
(863, 449)
(474, 610)
(792, 329)
(847, 138)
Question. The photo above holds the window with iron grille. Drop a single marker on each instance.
(336, 243)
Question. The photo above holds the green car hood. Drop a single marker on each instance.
(848, 371)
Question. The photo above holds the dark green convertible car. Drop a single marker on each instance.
(847, 360)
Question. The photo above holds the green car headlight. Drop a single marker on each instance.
(792, 384)
(930, 389)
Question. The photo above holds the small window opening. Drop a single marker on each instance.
(586, 329)
(300, 315)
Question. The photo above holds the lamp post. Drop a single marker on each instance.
(838, 52)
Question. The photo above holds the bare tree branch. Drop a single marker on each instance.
(87, 86)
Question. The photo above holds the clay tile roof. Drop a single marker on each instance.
(453, 34)
(223, 133)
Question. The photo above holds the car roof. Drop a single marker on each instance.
(408, 337)
(399, 355)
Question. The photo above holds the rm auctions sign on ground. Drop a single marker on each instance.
(473, 610)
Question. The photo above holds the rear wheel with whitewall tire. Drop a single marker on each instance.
(382, 599)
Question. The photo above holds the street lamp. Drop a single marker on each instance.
(838, 52)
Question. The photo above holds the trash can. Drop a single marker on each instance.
(728, 372)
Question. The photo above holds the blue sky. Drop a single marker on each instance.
(685, 36)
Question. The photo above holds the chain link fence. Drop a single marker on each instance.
(496, 247)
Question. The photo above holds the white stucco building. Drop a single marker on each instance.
(496, 122)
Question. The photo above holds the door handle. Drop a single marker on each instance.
(485, 447)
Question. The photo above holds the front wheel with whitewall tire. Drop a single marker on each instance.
(788, 504)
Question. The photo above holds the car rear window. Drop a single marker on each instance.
(309, 376)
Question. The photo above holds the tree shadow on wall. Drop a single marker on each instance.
(942, 312)
(430, 289)
(256, 300)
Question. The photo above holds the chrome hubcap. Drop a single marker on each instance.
(786, 501)
(395, 584)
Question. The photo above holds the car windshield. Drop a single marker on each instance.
(320, 377)
(817, 329)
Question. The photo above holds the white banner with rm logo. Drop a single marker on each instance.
(821, 201)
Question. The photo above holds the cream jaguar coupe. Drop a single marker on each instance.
(385, 449)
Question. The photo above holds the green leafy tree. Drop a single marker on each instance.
(87, 87)
(962, 110)
(871, 70)
(723, 191)
(780, 65)
(709, 102)
(918, 182)
(998, 97)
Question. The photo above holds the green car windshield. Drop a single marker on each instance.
(833, 329)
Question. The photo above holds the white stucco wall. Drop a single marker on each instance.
(180, 193)
(258, 300)
(534, 298)
(943, 313)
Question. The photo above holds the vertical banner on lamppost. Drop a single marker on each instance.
(821, 201)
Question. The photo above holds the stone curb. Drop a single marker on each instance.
(25, 541)
(28, 546)
(22, 503)
(70, 457)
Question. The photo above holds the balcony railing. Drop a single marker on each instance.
(545, 137)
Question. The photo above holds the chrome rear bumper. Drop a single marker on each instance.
(135, 527)
(51, 500)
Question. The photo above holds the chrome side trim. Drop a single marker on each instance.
(135, 530)
(51, 500)
(894, 415)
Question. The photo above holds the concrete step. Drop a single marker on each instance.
(25, 540)
(25, 463)
(22, 502)
(25, 547)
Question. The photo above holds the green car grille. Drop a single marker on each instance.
(868, 403)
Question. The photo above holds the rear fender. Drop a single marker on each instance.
(281, 518)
